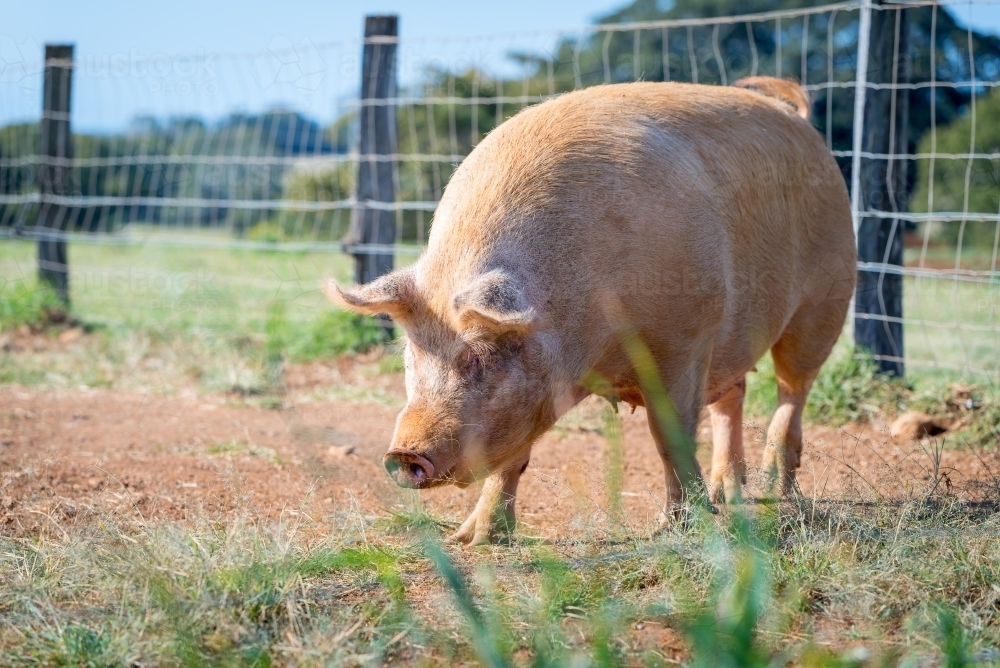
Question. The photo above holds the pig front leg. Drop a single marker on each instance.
(493, 519)
(680, 467)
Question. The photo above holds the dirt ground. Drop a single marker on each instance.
(66, 455)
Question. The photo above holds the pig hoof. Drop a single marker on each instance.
(715, 494)
(725, 484)
(780, 482)
(683, 515)
(468, 538)
(717, 486)
(725, 488)
(465, 539)
(478, 532)
(462, 536)
(668, 522)
(478, 538)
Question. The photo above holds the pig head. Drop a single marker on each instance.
(478, 376)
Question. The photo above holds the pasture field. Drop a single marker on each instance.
(190, 475)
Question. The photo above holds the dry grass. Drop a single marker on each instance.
(804, 582)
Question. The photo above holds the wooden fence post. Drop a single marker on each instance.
(54, 151)
(878, 303)
(373, 225)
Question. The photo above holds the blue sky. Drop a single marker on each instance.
(179, 33)
(186, 25)
(139, 32)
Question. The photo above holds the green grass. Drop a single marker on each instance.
(796, 584)
(161, 318)
(207, 596)
(27, 303)
(327, 335)
(157, 287)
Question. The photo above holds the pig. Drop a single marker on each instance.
(706, 224)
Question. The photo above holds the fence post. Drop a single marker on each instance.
(881, 185)
(54, 151)
(373, 225)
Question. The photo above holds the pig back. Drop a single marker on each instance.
(690, 212)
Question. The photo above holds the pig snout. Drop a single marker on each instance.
(408, 469)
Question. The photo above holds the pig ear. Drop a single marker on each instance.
(496, 303)
(393, 294)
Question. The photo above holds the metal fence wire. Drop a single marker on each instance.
(266, 150)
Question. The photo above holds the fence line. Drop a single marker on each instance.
(280, 180)
(351, 158)
(69, 201)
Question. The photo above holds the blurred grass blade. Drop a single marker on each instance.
(614, 465)
(952, 639)
(482, 638)
(660, 404)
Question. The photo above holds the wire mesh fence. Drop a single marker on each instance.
(261, 150)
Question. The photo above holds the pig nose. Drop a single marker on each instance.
(408, 469)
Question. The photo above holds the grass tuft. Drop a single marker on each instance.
(81, 647)
(31, 304)
(413, 519)
(850, 389)
(952, 639)
(329, 334)
(566, 591)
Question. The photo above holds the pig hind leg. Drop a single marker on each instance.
(728, 460)
(798, 355)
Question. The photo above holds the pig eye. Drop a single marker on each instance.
(474, 364)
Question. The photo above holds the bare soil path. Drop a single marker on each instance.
(66, 455)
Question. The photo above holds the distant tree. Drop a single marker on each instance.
(718, 54)
(17, 176)
(147, 161)
(313, 183)
(963, 184)
(820, 31)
